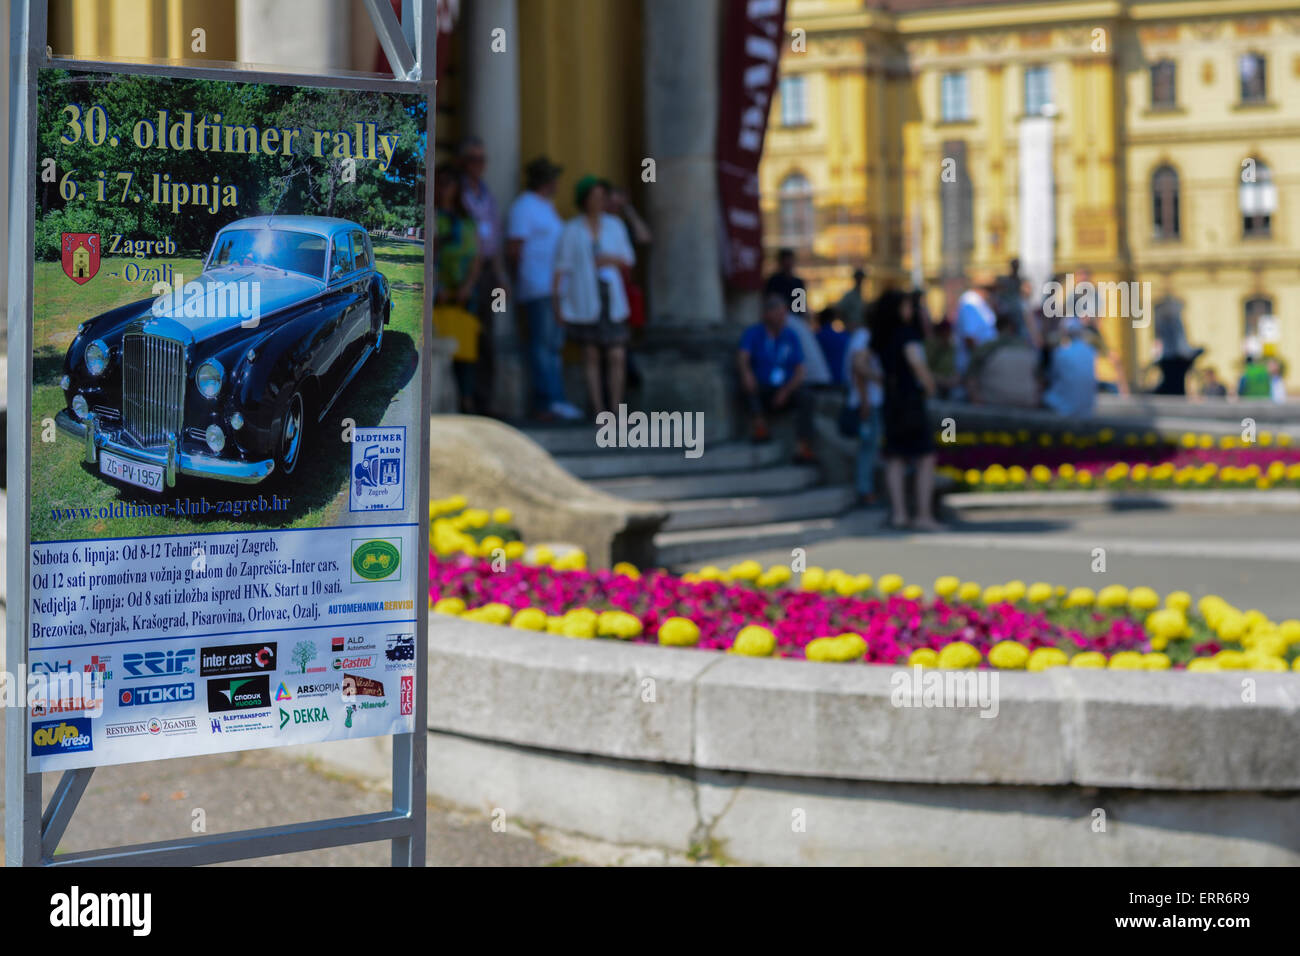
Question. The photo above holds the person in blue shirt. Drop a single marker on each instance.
(834, 341)
(771, 365)
(1072, 374)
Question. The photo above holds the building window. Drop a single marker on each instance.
(794, 101)
(1038, 90)
(1257, 327)
(956, 211)
(1254, 87)
(1164, 199)
(954, 103)
(796, 211)
(1164, 89)
(1257, 199)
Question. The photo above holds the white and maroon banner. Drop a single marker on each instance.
(751, 50)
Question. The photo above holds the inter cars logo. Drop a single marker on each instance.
(61, 737)
(376, 559)
(237, 659)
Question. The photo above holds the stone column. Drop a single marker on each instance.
(681, 102)
(688, 356)
(491, 112)
(293, 35)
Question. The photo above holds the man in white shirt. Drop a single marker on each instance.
(532, 234)
(976, 321)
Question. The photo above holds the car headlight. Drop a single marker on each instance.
(65, 383)
(80, 407)
(215, 438)
(96, 357)
(236, 421)
(209, 378)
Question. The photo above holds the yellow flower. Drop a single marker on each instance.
(1088, 659)
(515, 550)
(958, 655)
(1156, 661)
(993, 595)
(449, 605)
(1044, 657)
(969, 591)
(889, 583)
(1041, 474)
(1017, 475)
(502, 516)
(627, 569)
(745, 570)
(845, 647)
(1265, 662)
(529, 619)
(618, 624)
(1203, 664)
(1014, 591)
(476, 518)
(1230, 660)
(946, 586)
(972, 476)
(679, 632)
(579, 627)
(711, 572)
(1066, 471)
(754, 641)
(1166, 625)
(913, 592)
(1080, 597)
(1143, 599)
(1112, 595)
(1140, 472)
(1290, 631)
(542, 555)
(774, 577)
(489, 544)
(1039, 593)
(1180, 600)
(813, 579)
(1008, 655)
(923, 657)
(1083, 476)
(1127, 661)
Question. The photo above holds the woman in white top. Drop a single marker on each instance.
(588, 290)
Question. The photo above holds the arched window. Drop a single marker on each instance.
(1165, 221)
(1256, 198)
(796, 210)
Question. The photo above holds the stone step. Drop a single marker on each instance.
(674, 549)
(729, 512)
(778, 479)
(625, 462)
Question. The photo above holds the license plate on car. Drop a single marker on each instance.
(132, 472)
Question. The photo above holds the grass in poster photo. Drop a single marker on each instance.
(156, 168)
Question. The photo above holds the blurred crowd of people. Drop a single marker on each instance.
(565, 281)
(1003, 347)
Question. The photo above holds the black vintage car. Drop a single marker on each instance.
(223, 376)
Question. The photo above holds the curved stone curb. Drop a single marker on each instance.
(1281, 499)
(717, 711)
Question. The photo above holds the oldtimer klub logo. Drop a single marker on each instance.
(80, 255)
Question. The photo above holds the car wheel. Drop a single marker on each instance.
(292, 426)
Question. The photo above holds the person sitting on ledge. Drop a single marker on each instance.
(1072, 374)
(1004, 371)
(771, 365)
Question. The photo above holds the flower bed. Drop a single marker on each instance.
(836, 616)
(1002, 461)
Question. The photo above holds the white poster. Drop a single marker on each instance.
(1037, 201)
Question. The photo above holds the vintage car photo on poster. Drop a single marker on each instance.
(226, 376)
(228, 285)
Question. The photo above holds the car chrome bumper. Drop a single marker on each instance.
(172, 460)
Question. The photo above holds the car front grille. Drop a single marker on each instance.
(153, 387)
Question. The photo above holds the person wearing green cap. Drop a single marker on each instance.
(589, 294)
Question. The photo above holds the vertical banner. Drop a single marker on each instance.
(1037, 201)
(751, 51)
(225, 471)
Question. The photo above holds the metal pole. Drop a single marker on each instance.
(410, 761)
(27, 25)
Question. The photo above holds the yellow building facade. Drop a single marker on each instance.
(1174, 136)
